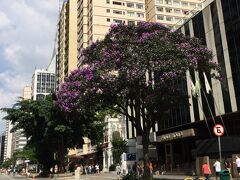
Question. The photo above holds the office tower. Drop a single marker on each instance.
(185, 139)
(2, 142)
(43, 83)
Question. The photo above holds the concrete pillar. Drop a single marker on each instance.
(104, 164)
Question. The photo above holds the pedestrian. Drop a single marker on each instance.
(206, 170)
(227, 165)
(134, 169)
(118, 169)
(90, 169)
(217, 167)
(150, 166)
(97, 168)
(238, 164)
(86, 169)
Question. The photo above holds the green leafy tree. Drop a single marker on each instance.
(33, 117)
(50, 131)
(27, 153)
(119, 146)
(140, 69)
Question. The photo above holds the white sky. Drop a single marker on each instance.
(27, 33)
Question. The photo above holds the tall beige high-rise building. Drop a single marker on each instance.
(27, 92)
(67, 40)
(172, 13)
(96, 16)
(82, 22)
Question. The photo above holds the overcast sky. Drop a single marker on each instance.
(27, 33)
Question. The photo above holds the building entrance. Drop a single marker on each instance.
(177, 157)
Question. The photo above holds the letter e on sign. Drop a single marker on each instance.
(218, 130)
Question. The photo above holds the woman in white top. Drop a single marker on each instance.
(217, 166)
(238, 164)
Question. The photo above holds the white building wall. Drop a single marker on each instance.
(8, 141)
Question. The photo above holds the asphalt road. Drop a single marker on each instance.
(102, 176)
(6, 177)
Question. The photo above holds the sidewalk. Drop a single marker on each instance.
(172, 177)
(180, 177)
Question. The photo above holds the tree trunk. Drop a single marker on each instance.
(145, 143)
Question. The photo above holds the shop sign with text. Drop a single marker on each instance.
(176, 135)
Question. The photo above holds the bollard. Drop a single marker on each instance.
(77, 174)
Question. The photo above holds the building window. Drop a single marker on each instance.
(168, 18)
(168, 10)
(130, 13)
(177, 19)
(159, 1)
(160, 17)
(131, 23)
(177, 2)
(160, 9)
(185, 12)
(108, 20)
(193, 5)
(107, 1)
(117, 12)
(139, 6)
(130, 5)
(118, 21)
(177, 11)
(168, 1)
(184, 4)
(117, 3)
(140, 15)
(108, 10)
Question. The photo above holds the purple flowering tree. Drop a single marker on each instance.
(135, 71)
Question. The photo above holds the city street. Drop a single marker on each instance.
(103, 176)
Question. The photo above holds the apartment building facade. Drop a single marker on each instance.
(67, 41)
(95, 18)
(8, 148)
(172, 13)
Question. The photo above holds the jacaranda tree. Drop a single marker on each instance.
(135, 70)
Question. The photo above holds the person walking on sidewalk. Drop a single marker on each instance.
(118, 169)
(238, 164)
(217, 167)
(206, 170)
(97, 168)
(227, 165)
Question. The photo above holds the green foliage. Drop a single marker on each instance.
(6, 164)
(134, 176)
(140, 69)
(27, 153)
(112, 167)
(130, 176)
(119, 146)
(50, 131)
